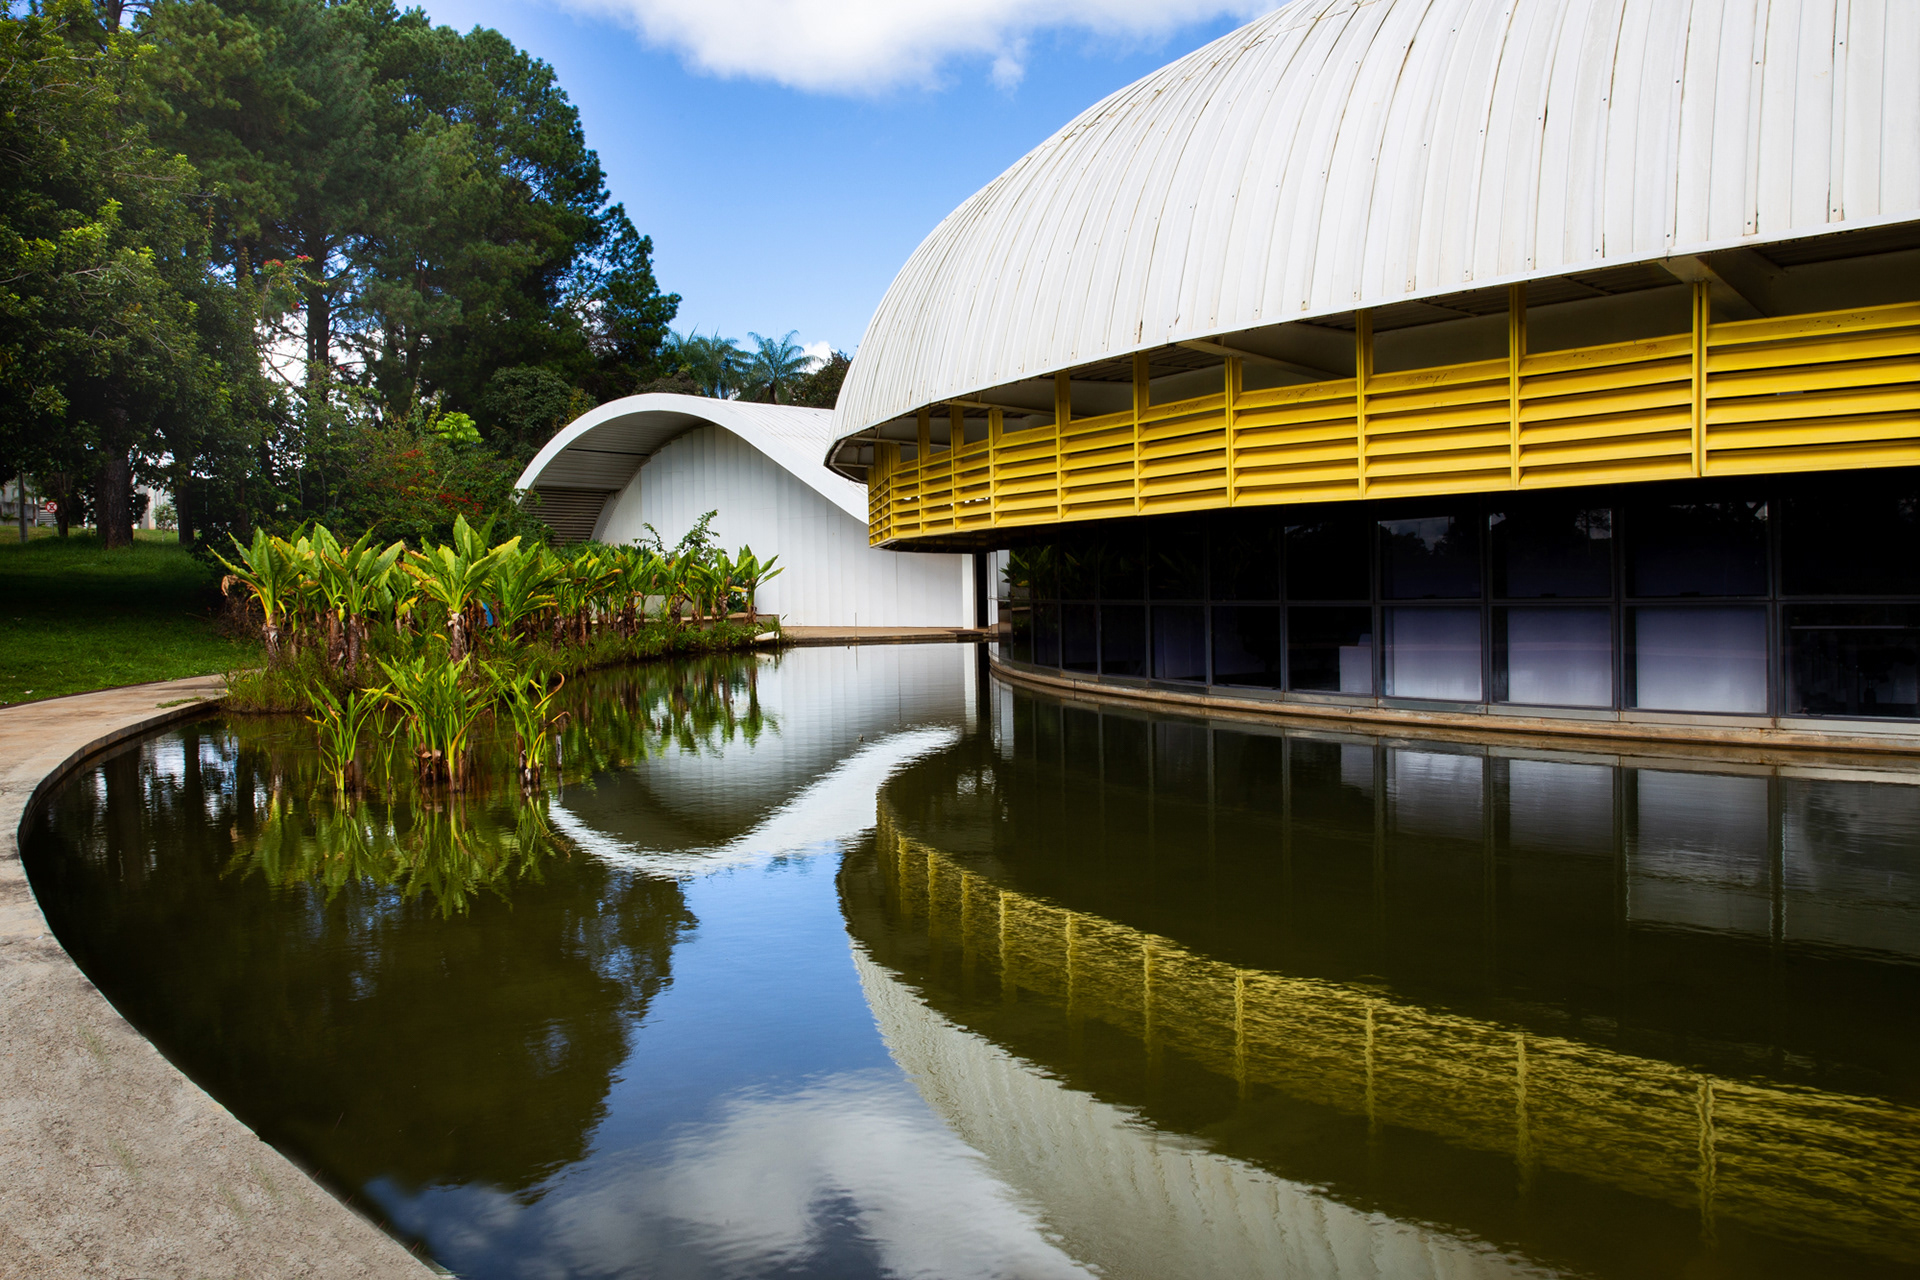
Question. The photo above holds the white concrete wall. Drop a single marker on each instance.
(832, 578)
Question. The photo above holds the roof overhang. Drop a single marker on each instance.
(605, 448)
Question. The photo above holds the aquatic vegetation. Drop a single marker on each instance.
(440, 706)
(528, 700)
(341, 722)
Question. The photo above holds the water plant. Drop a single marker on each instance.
(440, 705)
(340, 722)
(528, 698)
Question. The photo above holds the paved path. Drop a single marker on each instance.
(882, 635)
(112, 1163)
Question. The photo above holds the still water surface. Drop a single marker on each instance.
(848, 964)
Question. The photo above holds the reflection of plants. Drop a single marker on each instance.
(440, 705)
(450, 849)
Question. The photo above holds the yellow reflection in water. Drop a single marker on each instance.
(1801, 1162)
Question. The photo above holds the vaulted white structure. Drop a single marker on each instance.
(1343, 154)
(664, 460)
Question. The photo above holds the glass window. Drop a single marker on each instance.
(1859, 541)
(1079, 637)
(1179, 642)
(1019, 646)
(1548, 550)
(1077, 570)
(1698, 549)
(1433, 653)
(1700, 659)
(1122, 562)
(1554, 657)
(1177, 565)
(1123, 640)
(1246, 558)
(1046, 635)
(1853, 660)
(1330, 650)
(1246, 645)
(1032, 573)
(1430, 558)
(1327, 560)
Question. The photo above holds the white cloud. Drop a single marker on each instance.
(866, 46)
(818, 352)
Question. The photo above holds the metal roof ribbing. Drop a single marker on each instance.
(1353, 153)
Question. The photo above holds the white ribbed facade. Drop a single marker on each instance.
(664, 460)
(1342, 154)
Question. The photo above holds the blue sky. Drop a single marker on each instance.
(774, 207)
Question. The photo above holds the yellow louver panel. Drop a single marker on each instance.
(1828, 391)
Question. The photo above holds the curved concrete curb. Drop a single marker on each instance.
(113, 1163)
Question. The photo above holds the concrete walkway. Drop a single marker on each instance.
(882, 635)
(112, 1163)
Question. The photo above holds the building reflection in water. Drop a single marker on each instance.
(1617, 1016)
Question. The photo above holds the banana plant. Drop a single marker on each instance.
(275, 583)
(457, 578)
(523, 588)
(354, 582)
(751, 573)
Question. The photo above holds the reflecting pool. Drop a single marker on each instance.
(858, 963)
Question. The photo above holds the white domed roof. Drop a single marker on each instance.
(1350, 153)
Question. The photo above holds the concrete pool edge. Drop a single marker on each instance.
(115, 1162)
(1606, 735)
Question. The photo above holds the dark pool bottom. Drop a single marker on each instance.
(931, 979)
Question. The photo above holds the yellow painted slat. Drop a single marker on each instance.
(1626, 354)
(1185, 408)
(1340, 390)
(1668, 443)
(1254, 436)
(1827, 431)
(1437, 463)
(1849, 320)
(1606, 378)
(1450, 375)
(1494, 435)
(1625, 472)
(1853, 373)
(1903, 399)
(1675, 419)
(1891, 453)
(1481, 413)
(1438, 398)
(1659, 395)
(1826, 349)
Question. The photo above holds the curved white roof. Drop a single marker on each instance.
(603, 448)
(1350, 153)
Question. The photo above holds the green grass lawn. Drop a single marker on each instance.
(74, 616)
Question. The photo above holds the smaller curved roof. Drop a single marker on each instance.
(605, 447)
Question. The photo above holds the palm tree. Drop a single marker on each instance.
(717, 365)
(773, 370)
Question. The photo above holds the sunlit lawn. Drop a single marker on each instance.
(74, 616)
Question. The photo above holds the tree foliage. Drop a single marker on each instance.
(382, 214)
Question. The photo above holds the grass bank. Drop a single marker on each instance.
(75, 616)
